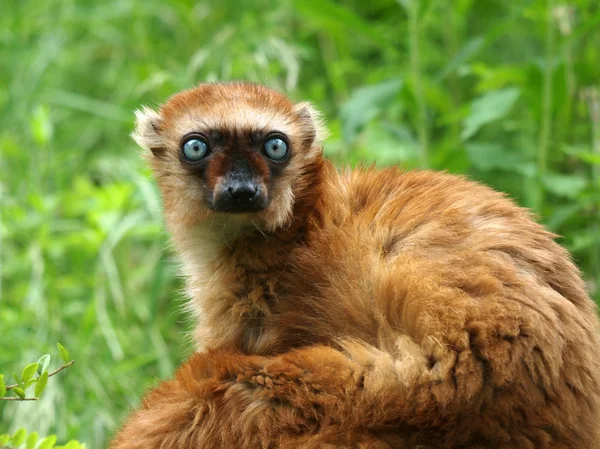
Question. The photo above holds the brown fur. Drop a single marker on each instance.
(378, 309)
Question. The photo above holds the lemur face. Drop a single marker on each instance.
(237, 169)
(229, 149)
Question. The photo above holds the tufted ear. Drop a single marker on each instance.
(147, 130)
(313, 121)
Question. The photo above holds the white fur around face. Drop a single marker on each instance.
(315, 119)
(238, 116)
(147, 124)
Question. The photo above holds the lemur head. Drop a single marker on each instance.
(229, 152)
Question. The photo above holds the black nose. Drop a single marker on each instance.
(243, 191)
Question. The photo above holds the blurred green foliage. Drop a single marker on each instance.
(506, 92)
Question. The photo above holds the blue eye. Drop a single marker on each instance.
(276, 148)
(194, 149)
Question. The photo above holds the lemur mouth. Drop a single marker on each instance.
(238, 208)
(239, 196)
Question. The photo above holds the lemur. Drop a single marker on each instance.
(355, 308)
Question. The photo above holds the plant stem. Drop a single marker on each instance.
(337, 84)
(53, 373)
(594, 105)
(593, 97)
(452, 37)
(415, 66)
(19, 399)
(545, 132)
(563, 128)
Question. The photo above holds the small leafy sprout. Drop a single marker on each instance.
(43, 363)
(2, 386)
(19, 392)
(41, 384)
(32, 440)
(33, 374)
(18, 380)
(48, 442)
(64, 354)
(28, 372)
(20, 438)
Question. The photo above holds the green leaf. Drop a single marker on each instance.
(73, 444)
(586, 156)
(32, 440)
(4, 439)
(470, 49)
(391, 147)
(568, 186)
(336, 18)
(490, 156)
(18, 380)
(19, 437)
(2, 386)
(41, 384)
(41, 125)
(29, 383)
(28, 372)
(64, 354)
(562, 214)
(43, 363)
(489, 107)
(19, 392)
(364, 104)
(48, 442)
(421, 6)
(585, 239)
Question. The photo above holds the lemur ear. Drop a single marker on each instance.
(147, 131)
(313, 121)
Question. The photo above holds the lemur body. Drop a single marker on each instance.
(362, 308)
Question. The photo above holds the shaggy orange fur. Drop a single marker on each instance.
(362, 309)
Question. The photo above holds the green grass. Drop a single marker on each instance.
(502, 91)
